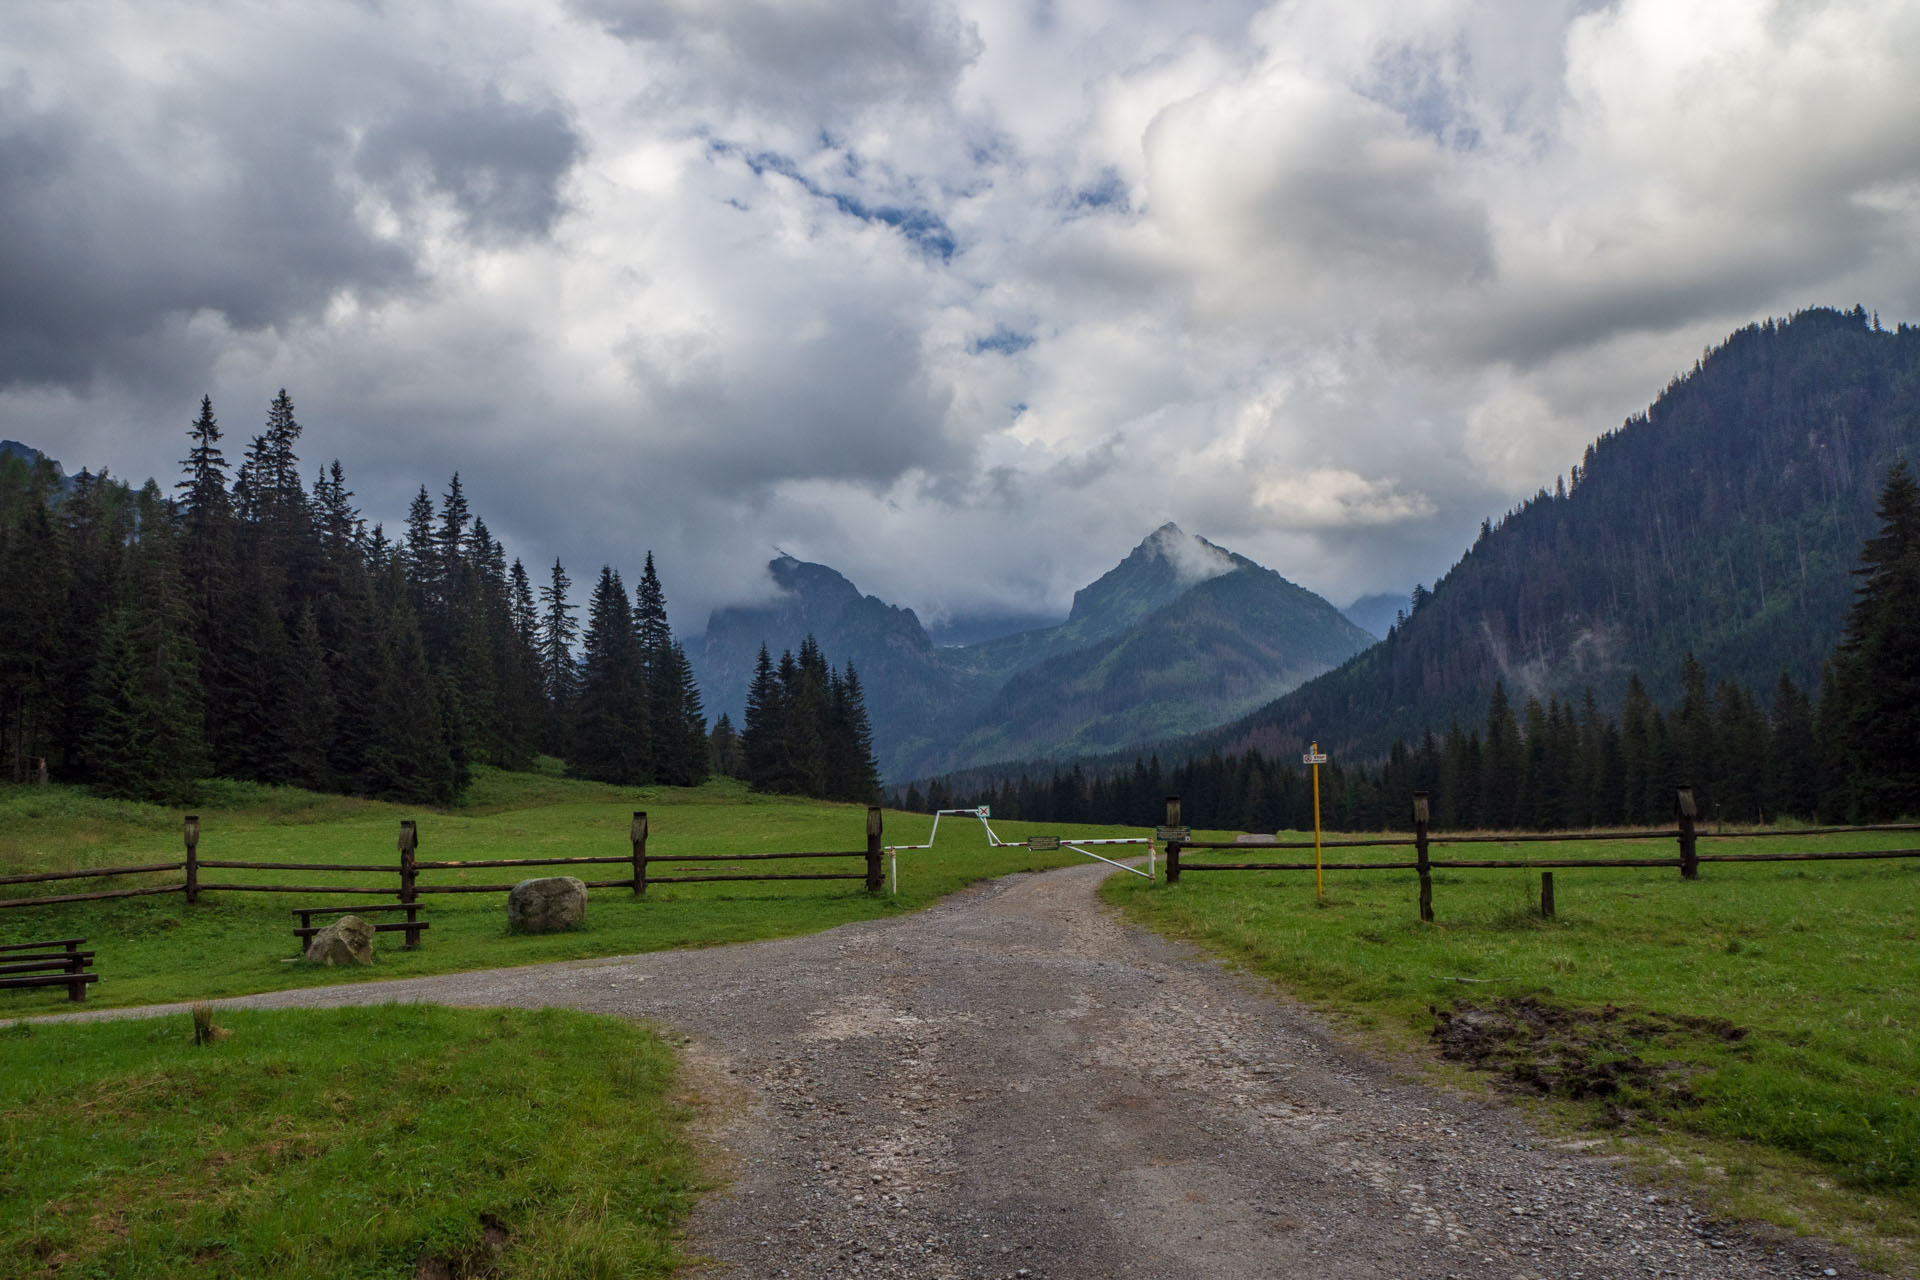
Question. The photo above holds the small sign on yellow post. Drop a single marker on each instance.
(1316, 758)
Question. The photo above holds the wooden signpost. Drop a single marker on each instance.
(1316, 758)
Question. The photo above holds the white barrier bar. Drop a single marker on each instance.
(1109, 861)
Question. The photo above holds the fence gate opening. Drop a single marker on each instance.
(1035, 844)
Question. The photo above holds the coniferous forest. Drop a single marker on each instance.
(1850, 756)
(251, 625)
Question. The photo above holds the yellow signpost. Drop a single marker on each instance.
(1316, 758)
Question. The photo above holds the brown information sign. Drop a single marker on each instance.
(1043, 844)
(1171, 835)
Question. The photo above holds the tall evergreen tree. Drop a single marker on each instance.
(611, 732)
(559, 674)
(1793, 753)
(760, 730)
(1500, 779)
(1878, 664)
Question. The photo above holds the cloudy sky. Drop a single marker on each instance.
(963, 297)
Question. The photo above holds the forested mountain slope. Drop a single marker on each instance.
(1724, 521)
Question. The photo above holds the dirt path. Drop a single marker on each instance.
(1015, 1084)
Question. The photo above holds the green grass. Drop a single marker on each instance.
(161, 948)
(1811, 1118)
(340, 1143)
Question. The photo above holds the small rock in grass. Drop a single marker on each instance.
(348, 940)
(548, 904)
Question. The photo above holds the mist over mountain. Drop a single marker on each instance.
(1228, 641)
(1374, 614)
(32, 457)
(1180, 635)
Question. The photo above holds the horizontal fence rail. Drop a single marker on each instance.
(404, 875)
(1685, 832)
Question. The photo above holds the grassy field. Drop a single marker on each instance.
(1758, 1024)
(161, 948)
(354, 1142)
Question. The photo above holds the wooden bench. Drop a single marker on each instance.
(59, 962)
(411, 926)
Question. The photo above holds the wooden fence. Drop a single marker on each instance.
(410, 866)
(1684, 832)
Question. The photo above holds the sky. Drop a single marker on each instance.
(962, 298)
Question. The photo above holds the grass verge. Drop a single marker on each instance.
(385, 1141)
(1751, 1033)
(161, 948)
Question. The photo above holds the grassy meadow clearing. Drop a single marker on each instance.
(1758, 1024)
(386, 1141)
(161, 948)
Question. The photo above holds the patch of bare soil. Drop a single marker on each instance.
(1624, 1057)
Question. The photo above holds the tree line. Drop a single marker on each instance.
(805, 730)
(1849, 756)
(255, 627)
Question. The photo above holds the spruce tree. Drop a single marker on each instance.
(724, 751)
(760, 728)
(1878, 663)
(207, 554)
(857, 773)
(559, 674)
(407, 760)
(611, 732)
(1500, 781)
(1792, 753)
(306, 709)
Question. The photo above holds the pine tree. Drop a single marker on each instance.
(1636, 755)
(1500, 781)
(724, 751)
(408, 759)
(611, 732)
(1792, 753)
(1878, 663)
(306, 710)
(852, 774)
(760, 729)
(559, 674)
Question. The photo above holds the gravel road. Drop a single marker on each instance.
(1016, 1084)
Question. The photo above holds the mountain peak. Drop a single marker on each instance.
(1192, 558)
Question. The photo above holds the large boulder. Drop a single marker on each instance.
(348, 940)
(547, 905)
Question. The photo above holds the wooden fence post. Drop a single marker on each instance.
(1421, 809)
(873, 848)
(409, 874)
(1685, 811)
(1546, 894)
(193, 857)
(639, 835)
(1173, 846)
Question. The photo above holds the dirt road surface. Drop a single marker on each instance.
(1016, 1084)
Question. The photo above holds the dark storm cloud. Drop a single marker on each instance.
(107, 237)
(824, 58)
(500, 163)
(242, 197)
